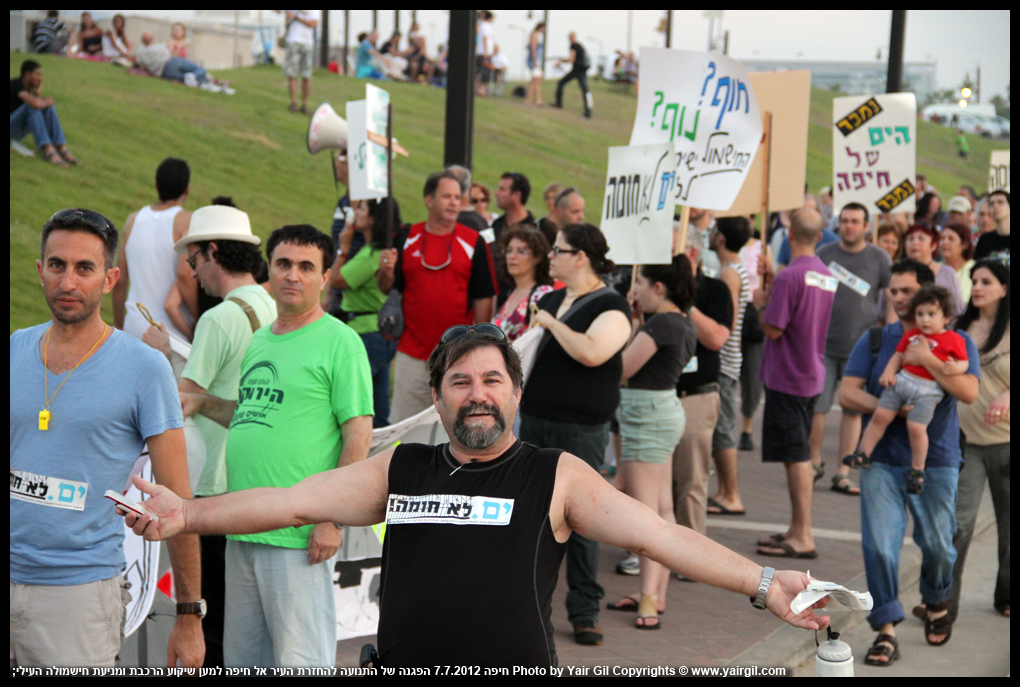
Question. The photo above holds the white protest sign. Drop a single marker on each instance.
(873, 151)
(998, 173)
(637, 212)
(704, 104)
(376, 111)
(357, 152)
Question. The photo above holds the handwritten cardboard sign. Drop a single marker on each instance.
(873, 151)
(637, 208)
(704, 104)
(787, 95)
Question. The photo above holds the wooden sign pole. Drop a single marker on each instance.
(766, 174)
(389, 175)
(681, 239)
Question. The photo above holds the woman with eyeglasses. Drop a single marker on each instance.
(574, 387)
(480, 197)
(651, 417)
(526, 267)
(362, 300)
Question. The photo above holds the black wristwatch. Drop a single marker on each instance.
(194, 608)
(763, 588)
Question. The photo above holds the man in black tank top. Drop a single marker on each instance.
(476, 528)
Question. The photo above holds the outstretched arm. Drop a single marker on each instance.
(584, 502)
(352, 495)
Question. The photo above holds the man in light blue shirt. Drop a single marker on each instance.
(104, 396)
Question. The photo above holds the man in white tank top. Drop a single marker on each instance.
(156, 269)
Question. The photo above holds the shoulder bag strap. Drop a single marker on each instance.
(249, 311)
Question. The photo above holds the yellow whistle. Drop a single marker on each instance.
(44, 420)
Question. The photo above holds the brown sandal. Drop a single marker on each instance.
(938, 626)
(883, 646)
(55, 158)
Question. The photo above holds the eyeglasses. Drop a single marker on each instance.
(192, 260)
(556, 250)
(449, 254)
(77, 218)
(475, 201)
(524, 252)
(461, 329)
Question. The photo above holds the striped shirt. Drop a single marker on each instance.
(731, 356)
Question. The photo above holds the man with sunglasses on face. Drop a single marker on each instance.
(477, 528)
(85, 399)
(446, 275)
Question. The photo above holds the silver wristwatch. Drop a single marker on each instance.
(763, 589)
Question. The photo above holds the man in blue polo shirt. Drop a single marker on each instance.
(884, 499)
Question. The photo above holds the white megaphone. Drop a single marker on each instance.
(326, 129)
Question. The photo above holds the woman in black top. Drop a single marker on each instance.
(650, 414)
(574, 387)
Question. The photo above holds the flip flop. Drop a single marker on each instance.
(819, 471)
(788, 552)
(647, 611)
(722, 510)
(775, 539)
(627, 604)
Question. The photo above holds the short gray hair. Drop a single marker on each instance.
(463, 176)
(695, 239)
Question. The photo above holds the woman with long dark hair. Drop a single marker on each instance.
(362, 300)
(651, 417)
(574, 387)
(536, 55)
(985, 425)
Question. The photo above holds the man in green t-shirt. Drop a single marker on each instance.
(304, 406)
(224, 257)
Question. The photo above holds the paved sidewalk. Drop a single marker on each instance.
(706, 627)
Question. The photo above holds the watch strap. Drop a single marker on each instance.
(763, 588)
(192, 608)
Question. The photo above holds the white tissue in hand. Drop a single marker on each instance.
(817, 590)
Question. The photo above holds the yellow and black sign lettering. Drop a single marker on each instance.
(858, 117)
(896, 196)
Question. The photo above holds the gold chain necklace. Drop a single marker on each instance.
(44, 414)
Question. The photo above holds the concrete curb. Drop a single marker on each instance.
(788, 647)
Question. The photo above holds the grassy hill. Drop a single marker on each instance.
(250, 147)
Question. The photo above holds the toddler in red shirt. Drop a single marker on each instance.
(913, 386)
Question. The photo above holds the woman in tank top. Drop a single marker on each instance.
(650, 415)
(536, 55)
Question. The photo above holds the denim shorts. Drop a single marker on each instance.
(923, 394)
(651, 424)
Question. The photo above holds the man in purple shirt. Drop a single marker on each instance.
(798, 304)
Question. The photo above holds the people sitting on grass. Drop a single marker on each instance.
(157, 61)
(367, 58)
(115, 44)
(35, 113)
(179, 41)
(90, 37)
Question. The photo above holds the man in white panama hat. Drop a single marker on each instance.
(224, 257)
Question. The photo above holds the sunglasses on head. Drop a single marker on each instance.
(78, 218)
(461, 329)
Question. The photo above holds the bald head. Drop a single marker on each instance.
(806, 227)
(147, 38)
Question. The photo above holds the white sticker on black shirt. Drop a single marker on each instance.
(849, 278)
(48, 491)
(448, 509)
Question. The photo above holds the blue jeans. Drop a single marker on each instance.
(380, 352)
(177, 67)
(42, 124)
(587, 442)
(884, 505)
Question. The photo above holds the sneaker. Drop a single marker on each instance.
(210, 86)
(629, 566)
(588, 633)
(191, 80)
(746, 443)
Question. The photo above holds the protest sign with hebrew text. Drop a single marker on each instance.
(704, 104)
(638, 205)
(873, 151)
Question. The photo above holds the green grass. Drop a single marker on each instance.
(250, 147)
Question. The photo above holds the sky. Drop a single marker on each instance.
(957, 40)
